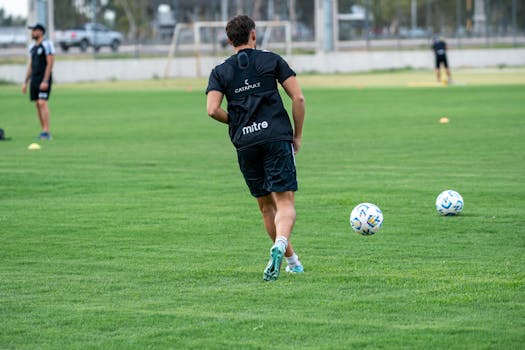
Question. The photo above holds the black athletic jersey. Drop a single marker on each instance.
(256, 112)
(38, 54)
(440, 48)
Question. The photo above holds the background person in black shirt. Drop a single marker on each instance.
(439, 46)
(40, 77)
(260, 129)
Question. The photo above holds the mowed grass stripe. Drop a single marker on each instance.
(133, 227)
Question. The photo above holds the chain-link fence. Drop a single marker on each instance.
(470, 22)
(148, 25)
(367, 23)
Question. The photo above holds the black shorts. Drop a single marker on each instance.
(441, 59)
(268, 167)
(36, 94)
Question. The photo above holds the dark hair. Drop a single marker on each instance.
(238, 29)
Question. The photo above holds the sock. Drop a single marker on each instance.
(282, 241)
(293, 260)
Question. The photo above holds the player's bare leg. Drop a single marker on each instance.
(278, 210)
(269, 210)
(39, 114)
(285, 214)
(438, 75)
(43, 114)
(449, 75)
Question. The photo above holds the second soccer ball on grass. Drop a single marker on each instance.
(449, 203)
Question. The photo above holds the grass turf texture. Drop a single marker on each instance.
(133, 228)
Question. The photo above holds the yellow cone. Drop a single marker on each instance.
(33, 146)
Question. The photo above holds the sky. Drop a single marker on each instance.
(14, 7)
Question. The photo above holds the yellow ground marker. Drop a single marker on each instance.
(426, 84)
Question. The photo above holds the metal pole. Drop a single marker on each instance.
(291, 13)
(94, 10)
(30, 12)
(458, 22)
(428, 15)
(514, 23)
(413, 14)
(319, 33)
(328, 26)
(41, 12)
(468, 23)
(271, 10)
(224, 10)
(367, 24)
(398, 12)
(288, 33)
(196, 48)
(51, 19)
(31, 17)
(335, 25)
(487, 19)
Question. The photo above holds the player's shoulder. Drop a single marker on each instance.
(224, 69)
(268, 55)
(48, 46)
(267, 59)
(225, 65)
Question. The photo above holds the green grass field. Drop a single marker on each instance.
(133, 228)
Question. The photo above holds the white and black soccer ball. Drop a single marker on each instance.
(449, 203)
(366, 219)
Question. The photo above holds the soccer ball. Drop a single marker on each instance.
(366, 219)
(449, 203)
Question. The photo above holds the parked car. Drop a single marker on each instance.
(90, 34)
(414, 32)
(13, 36)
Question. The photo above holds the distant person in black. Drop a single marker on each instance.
(260, 129)
(40, 77)
(440, 51)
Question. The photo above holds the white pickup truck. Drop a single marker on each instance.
(90, 34)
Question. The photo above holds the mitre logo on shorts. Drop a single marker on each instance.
(247, 86)
(255, 127)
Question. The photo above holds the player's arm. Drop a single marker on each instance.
(292, 88)
(213, 106)
(50, 59)
(27, 77)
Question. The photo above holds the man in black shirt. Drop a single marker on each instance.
(39, 73)
(260, 129)
(439, 47)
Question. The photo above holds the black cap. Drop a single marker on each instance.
(38, 26)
